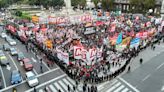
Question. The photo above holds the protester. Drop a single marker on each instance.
(106, 36)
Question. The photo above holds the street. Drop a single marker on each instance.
(146, 77)
(49, 73)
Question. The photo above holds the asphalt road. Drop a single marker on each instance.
(149, 76)
(49, 73)
(146, 77)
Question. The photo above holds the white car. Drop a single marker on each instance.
(12, 42)
(3, 35)
(31, 78)
(13, 51)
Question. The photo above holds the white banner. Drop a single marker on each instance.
(63, 56)
(87, 56)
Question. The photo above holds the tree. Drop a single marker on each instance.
(107, 4)
(142, 6)
(149, 4)
(75, 3)
(47, 3)
(4, 3)
(95, 2)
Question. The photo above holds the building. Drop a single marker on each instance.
(125, 6)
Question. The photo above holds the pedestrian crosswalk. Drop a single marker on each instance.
(61, 85)
(117, 86)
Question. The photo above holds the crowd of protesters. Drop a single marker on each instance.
(62, 37)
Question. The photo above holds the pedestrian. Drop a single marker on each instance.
(129, 69)
(68, 88)
(74, 88)
(41, 61)
(35, 89)
(88, 89)
(41, 68)
(153, 47)
(141, 60)
(76, 83)
(84, 88)
(26, 48)
(59, 90)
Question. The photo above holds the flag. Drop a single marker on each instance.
(119, 39)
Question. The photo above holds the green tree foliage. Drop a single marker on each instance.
(4, 3)
(142, 6)
(78, 2)
(47, 3)
(95, 2)
(107, 4)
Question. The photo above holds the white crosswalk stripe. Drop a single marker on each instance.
(118, 86)
(41, 90)
(61, 84)
(67, 83)
(71, 80)
(52, 88)
(113, 87)
(59, 87)
(125, 90)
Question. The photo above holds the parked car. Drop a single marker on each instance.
(4, 61)
(16, 77)
(13, 51)
(3, 35)
(27, 64)
(6, 47)
(31, 78)
(20, 56)
(12, 42)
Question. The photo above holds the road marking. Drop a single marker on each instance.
(4, 81)
(73, 82)
(34, 60)
(136, 90)
(63, 85)
(59, 87)
(47, 82)
(52, 88)
(68, 83)
(46, 65)
(9, 87)
(119, 88)
(48, 72)
(125, 90)
(101, 86)
(113, 87)
(35, 71)
(13, 62)
(41, 90)
(162, 89)
(12, 86)
(159, 66)
(146, 77)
